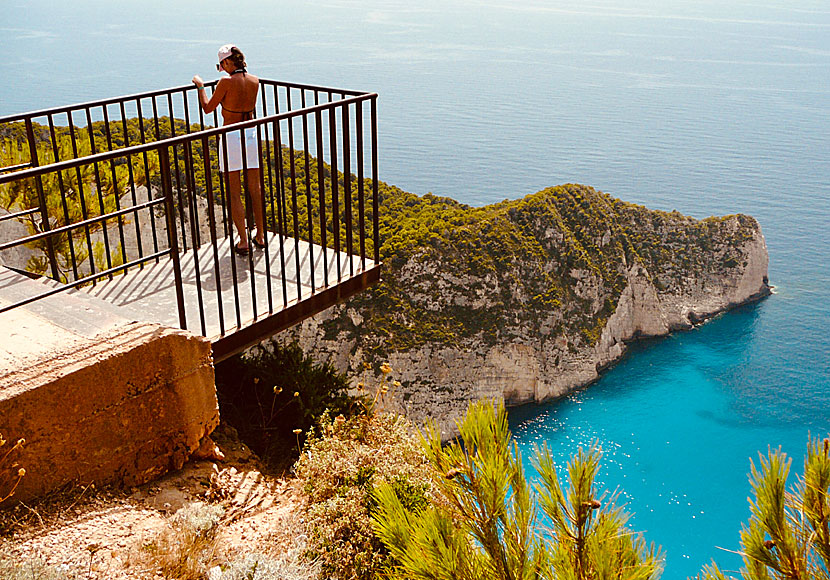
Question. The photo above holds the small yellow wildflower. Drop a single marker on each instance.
(385, 368)
(21, 472)
(396, 384)
(296, 393)
(297, 431)
(277, 390)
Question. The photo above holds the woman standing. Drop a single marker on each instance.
(237, 94)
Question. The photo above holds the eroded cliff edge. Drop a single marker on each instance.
(527, 300)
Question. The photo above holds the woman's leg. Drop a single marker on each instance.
(237, 211)
(256, 200)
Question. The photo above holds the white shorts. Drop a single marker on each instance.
(235, 150)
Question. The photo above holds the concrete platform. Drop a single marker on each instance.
(98, 396)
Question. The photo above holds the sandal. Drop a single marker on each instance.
(241, 251)
(258, 244)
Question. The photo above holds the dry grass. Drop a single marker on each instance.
(187, 548)
(34, 569)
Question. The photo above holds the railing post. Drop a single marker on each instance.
(375, 219)
(41, 199)
(172, 236)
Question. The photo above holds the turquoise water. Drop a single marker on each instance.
(707, 107)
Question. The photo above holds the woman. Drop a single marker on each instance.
(237, 94)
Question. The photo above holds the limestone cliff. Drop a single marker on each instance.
(530, 299)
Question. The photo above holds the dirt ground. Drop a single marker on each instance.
(102, 533)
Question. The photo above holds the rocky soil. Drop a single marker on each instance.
(103, 534)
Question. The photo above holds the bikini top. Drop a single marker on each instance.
(248, 115)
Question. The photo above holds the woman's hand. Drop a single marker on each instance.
(197, 80)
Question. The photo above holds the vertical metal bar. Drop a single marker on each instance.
(190, 178)
(115, 192)
(81, 198)
(201, 112)
(41, 196)
(156, 118)
(94, 150)
(321, 194)
(244, 185)
(186, 111)
(294, 199)
(281, 205)
(212, 220)
(179, 184)
(68, 220)
(335, 193)
(347, 184)
(172, 236)
(309, 201)
(267, 148)
(281, 225)
(263, 209)
(375, 217)
(226, 225)
(147, 185)
(269, 161)
(131, 176)
(361, 210)
(234, 277)
(194, 219)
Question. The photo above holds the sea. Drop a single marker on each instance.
(709, 107)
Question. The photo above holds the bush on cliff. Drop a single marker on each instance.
(483, 522)
(274, 390)
(788, 534)
(341, 465)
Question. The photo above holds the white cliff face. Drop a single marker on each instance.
(535, 355)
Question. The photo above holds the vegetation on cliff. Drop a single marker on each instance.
(556, 260)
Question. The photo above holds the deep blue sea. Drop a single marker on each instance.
(708, 107)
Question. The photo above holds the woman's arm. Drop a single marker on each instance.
(208, 106)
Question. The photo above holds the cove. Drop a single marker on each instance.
(678, 420)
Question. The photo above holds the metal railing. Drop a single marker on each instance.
(106, 187)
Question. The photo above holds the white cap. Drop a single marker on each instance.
(225, 51)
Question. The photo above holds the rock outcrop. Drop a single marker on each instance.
(528, 300)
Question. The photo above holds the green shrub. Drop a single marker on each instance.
(275, 389)
(788, 534)
(340, 467)
(483, 523)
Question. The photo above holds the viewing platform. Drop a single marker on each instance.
(122, 199)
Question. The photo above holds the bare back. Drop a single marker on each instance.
(239, 98)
